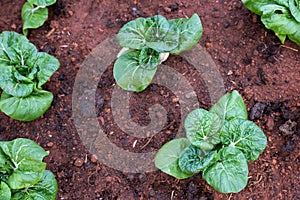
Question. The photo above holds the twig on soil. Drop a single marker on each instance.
(147, 142)
(290, 48)
(50, 32)
(172, 195)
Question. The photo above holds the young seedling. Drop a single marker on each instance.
(23, 71)
(282, 17)
(147, 43)
(35, 13)
(219, 143)
(22, 172)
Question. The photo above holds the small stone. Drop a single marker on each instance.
(50, 144)
(255, 53)
(274, 162)
(108, 179)
(78, 162)
(13, 26)
(73, 59)
(270, 124)
(167, 9)
(208, 45)
(175, 99)
(94, 158)
(240, 25)
(70, 12)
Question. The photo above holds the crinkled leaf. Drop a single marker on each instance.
(256, 5)
(133, 34)
(190, 32)
(47, 65)
(15, 49)
(278, 19)
(162, 36)
(230, 106)
(33, 17)
(45, 189)
(11, 85)
(202, 129)
(280, 16)
(26, 157)
(230, 173)
(26, 108)
(167, 158)
(5, 193)
(5, 164)
(42, 2)
(246, 136)
(294, 6)
(149, 58)
(128, 73)
(193, 159)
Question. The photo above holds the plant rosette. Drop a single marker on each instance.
(147, 42)
(22, 172)
(23, 71)
(219, 143)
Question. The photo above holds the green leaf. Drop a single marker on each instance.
(189, 34)
(26, 108)
(5, 193)
(11, 85)
(149, 58)
(193, 159)
(257, 5)
(230, 173)
(294, 6)
(26, 157)
(133, 34)
(128, 73)
(162, 36)
(45, 189)
(230, 106)
(47, 65)
(167, 158)
(33, 17)
(42, 2)
(245, 136)
(202, 129)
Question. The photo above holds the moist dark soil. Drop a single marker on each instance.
(249, 57)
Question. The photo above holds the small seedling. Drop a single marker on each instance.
(220, 142)
(22, 172)
(23, 71)
(282, 17)
(35, 13)
(148, 42)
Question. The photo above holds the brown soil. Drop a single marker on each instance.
(249, 57)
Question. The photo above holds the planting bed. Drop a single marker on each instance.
(249, 58)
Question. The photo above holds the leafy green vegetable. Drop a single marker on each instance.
(167, 158)
(230, 173)
(22, 171)
(245, 136)
(280, 16)
(202, 129)
(230, 106)
(23, 70)
(45, 189)
(129, 74)
(152, 39)
(34, 13)
(5, 193)
(219, 143)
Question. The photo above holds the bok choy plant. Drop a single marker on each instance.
(148, 42)
(219, 143)
(23, 71)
